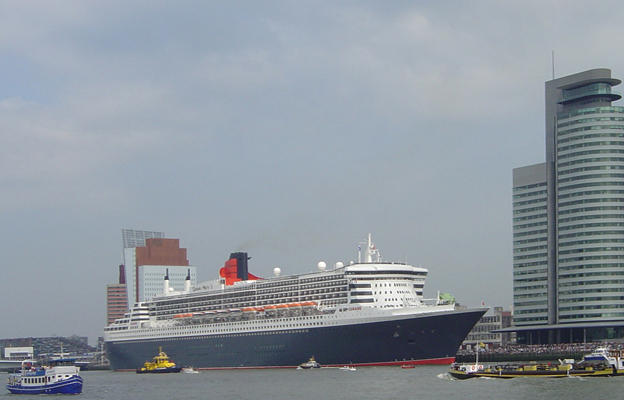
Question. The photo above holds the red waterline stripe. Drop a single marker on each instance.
(431, 361)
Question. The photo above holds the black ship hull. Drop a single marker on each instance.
(415, 339)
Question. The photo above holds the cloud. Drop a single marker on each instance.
(290, 130)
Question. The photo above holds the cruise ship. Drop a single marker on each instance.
(369, 313)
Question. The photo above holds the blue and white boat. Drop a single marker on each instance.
(599, 354)
(61, 376)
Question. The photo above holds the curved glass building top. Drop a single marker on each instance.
(586, 91)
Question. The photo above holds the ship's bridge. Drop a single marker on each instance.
(386, 285)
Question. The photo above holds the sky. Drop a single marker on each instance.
(286, 129)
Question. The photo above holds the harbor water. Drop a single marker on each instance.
(421, 382)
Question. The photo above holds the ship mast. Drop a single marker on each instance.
(370, 251)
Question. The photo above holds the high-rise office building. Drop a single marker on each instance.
(146, 266)
(116, 302)
(148, 257)
(133, 238)
(116, 298)
(568, 222)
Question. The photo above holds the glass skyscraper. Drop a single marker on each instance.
(568, 218)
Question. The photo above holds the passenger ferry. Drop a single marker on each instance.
(61, 376)
(367, 313)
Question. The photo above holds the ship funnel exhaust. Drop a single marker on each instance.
(166, 283)
(242, 270)
(236, 269)
(187, 282)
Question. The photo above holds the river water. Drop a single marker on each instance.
(422, 382)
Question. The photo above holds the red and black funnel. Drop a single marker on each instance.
(236, 270)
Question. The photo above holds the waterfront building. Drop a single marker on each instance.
(18, 353)
(116, 302)
(38, 346)
(568, 218)
(117, 298)
(133, 238)
(145, 268)
(487, 330)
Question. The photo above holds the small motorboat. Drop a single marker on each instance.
(347, 368)
(311, 363)
(190, 370)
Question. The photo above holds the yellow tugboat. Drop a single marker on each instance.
(161, 365)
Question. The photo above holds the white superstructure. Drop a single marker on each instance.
(381, 289)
